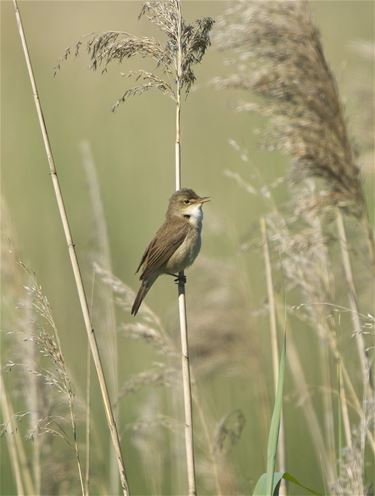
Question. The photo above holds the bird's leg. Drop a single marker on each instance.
(173, 275)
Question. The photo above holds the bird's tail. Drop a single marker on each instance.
(143, 290)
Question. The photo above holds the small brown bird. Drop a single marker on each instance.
(176, 244)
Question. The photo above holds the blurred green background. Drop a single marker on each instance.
(133, 150)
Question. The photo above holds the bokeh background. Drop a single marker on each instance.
(133, 152)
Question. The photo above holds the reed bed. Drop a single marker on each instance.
(301, 266)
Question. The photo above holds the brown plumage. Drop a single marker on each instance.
(175, 245)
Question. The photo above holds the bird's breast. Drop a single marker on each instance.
(186, 253)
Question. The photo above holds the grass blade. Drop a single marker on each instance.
(275, 423)
(260, 488)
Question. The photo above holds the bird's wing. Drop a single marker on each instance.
(159, 251)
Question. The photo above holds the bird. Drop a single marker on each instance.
(175, 245)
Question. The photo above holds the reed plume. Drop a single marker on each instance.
(48, 343)
(280, 58)
(41, 381)
(169, 77)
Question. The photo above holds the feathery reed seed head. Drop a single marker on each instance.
(116, 46)
(279, 57)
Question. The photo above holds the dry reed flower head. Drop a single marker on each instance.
(111, 46)
(280, 58)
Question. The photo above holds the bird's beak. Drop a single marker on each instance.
(205, 199)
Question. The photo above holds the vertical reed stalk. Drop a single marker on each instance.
(344, 409)
(324, 356)
(329, 428)
(76, 451)
(178, 104)
(74, 262)
(353, 395)
(189, 439)
(32, 396)
(88, 420)
(23, 466)
(353, 300)
(8, 421)
(369, 238)
(274, 346)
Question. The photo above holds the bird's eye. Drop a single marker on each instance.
(186, 202)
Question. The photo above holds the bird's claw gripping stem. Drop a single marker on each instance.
(180, 279)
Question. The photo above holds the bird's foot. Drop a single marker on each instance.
(180, 279)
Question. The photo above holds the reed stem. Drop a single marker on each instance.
(344, 409)
(12, 448)
(88, 421)
(76, 451)
(33, 399)
(74, 262)
(189, 439)
(353, 300)
(23, 465)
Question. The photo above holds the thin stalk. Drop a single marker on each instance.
(37, 469)
(274, 347)
(353, 395)
(14, 461)
(370, 238)
(103, 313)
(329, 429)
(88, 423)
(20, 450)
(327, 341)
(74, 429)
(344, 409)
(32, 396)
(178, 102)
(75, 266)
(189, 440)
(324, 356)
(353, 300)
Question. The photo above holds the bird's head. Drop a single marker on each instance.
(186, 203)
